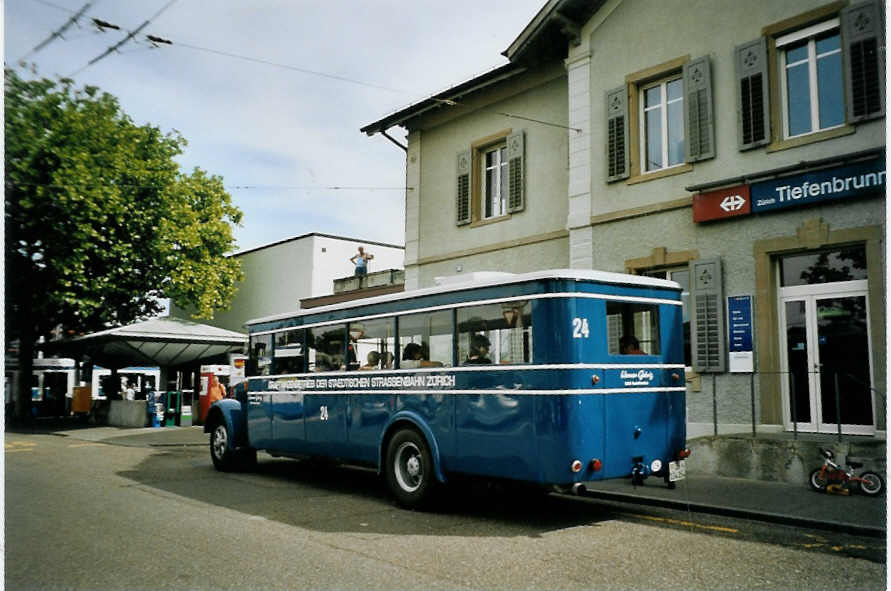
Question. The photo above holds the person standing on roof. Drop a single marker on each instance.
(361, 261)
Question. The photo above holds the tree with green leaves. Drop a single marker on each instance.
(101, 222)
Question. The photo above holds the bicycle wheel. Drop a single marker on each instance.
(818, 479)
(871, 483)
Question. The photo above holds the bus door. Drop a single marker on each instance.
(495, 433)
(259, 413)
(325, 406)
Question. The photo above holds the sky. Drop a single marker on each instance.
(271, 94)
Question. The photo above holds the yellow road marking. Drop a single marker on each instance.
(20, 445)
(687, 523)
(837, 548)
(91, 444)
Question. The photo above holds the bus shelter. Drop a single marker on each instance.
(176, 346)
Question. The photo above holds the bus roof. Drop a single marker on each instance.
(484, 279)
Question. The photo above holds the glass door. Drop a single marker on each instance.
(825, 357)
(799, 379)
(842, 356)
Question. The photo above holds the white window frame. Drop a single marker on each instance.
(663, 105)
(499, 205)
(809, 33)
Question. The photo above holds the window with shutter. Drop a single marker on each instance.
(811, 81)
(752, 99)
(516, 200)
(491, 178)
(617, 134)
(707, 332)
(698, 114)
(462, 201)
(862, 30)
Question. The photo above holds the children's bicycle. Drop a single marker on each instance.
(830, 477)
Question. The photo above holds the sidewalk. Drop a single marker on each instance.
(775, 502)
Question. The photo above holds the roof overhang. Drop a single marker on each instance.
(548, 35)
(444, 99)
(165, 342)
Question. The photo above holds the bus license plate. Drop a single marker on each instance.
(677, 470)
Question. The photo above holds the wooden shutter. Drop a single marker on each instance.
(752, 94)
(864, 50)
(617, 134)
(462, 200)
(516, 196)
(698, 116)
(707, 315)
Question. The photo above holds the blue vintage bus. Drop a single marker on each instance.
(554, 378)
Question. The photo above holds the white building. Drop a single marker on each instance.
(278, 275)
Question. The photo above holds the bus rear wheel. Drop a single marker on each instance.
(409, 469)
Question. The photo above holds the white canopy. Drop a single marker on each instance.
(164, 342)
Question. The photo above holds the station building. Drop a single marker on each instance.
(737, 148)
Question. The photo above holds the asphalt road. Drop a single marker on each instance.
(82, 515)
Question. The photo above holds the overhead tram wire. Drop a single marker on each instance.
(454, 103)
(129, 36)
(448, 102)
(156, 42)
(57, 34)
(288, 67)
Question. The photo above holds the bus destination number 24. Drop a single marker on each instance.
(580, 328)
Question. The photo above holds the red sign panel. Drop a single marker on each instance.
(724, 203)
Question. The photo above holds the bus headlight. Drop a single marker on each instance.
(655, 466)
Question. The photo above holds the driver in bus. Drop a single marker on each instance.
(629, 345)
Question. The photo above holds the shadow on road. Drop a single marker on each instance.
(330, 498)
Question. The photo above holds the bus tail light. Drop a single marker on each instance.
(684, 453)
(596, 464)
(576, 466)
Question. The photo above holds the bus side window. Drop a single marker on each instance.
(261, 354)
(632, 329)
(425, 340)
(495, 333)
(372, 342)
(326, 346)
(289, 352)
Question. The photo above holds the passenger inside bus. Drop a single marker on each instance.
(415, 355)
(629, 345)
(479, 350)
(371, 361)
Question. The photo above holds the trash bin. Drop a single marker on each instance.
(173, 410)
(151, 409)
(185, 415)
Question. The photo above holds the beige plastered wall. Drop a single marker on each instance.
(532, 239)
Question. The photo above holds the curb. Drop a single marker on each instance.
(861, 530)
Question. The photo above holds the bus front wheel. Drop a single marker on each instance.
(221, 453)
(409, 469)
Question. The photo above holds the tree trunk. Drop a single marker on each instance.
(26, 369)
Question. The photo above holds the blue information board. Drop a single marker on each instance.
(740, 350)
